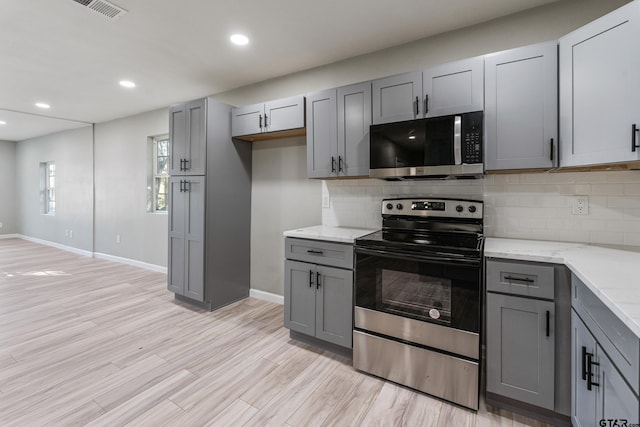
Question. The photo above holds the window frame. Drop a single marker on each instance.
(155, 175)
(48, 189)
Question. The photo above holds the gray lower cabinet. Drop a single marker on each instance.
(338, 123)
(521, 108)
(605, 364)
(318, 299)
(186, 236)
(527, 338)
(520, 349)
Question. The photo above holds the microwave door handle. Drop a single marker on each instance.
(457, 140)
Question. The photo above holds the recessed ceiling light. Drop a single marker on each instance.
(2, 122)
(43, 105)
(412, 137)
(127, 83)
(239, 39)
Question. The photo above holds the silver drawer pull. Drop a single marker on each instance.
(518, 279)
(311, 251)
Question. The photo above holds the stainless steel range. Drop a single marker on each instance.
(417, 297)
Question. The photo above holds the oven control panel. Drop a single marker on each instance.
(447, 208)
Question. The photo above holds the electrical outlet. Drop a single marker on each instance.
(0, 225)
(70, 234)
(580, 205)
(326, 201)
(117, 238)
(66, 232)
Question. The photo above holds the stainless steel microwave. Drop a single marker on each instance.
(438, 147)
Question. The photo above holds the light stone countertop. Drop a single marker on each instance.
(330, 234)
(613, 275)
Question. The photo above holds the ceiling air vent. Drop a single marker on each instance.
(103, 7)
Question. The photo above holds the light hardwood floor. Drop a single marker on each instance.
(90, 342)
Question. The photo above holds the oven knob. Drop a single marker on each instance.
(472, 209)
(389, 206)
(399, 206)
(459, 208)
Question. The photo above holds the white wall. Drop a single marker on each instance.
(8, 203)
(72, 152)
(282, 198)
(121, 189)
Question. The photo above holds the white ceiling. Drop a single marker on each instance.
(60, 52)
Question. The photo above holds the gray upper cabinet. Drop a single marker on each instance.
(354, 120)
(453, 88)
(521, 108)
(397, 98)
(186, 236)
(599, 87)
(188, 135)
(338, 123)
(273, 116)
(322, 135)
(247, 120)
(520, 349)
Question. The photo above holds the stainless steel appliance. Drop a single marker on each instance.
(418, 297)
(438, 147)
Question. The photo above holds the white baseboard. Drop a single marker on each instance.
(266, 296)
(140, 264)
(57, 245)
(10, 236)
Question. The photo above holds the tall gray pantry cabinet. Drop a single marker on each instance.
(209, 206)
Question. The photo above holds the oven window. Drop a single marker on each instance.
(420, 295)
(431, 291)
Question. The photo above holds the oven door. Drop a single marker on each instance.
(442, 291)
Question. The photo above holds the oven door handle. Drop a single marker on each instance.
(419, 258)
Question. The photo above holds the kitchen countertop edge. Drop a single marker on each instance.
(328, 233)
(608, 273)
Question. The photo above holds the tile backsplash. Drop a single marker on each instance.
(526, 206)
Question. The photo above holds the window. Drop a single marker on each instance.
(48, 188)
(158, 184)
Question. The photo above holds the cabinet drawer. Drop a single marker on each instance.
(521, 278)
(319, 252)
(616, 339)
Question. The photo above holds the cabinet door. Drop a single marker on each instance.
(521, 108)
(300, 296)
(334, 305)
(177, 236)
(247, 120)
(520, 352)
(284, 114)
(178, 138)
(454, 88)
(322, 134)
(397, 98)
(583, 401)
(615, 399)
(354, 120)
(194, 237)
(599, 88)
(196, 144)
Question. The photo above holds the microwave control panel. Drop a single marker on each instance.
(472, 138)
